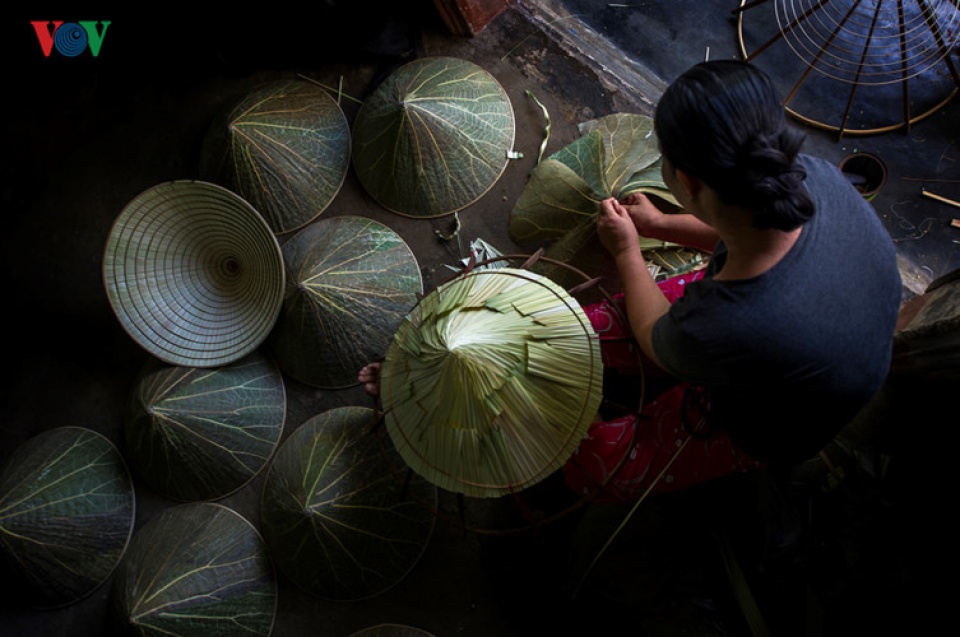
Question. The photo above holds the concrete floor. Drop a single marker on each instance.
(82, 140)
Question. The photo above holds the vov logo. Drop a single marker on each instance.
(70, 39)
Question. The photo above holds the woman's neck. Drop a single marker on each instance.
(752, 251)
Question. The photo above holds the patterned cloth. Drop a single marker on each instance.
(618, 349)
(618, 460)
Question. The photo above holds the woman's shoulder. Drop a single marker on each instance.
(820, 170)
(833, 193)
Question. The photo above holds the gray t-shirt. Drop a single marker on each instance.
(790, 356)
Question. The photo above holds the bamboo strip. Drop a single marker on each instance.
(930, 195)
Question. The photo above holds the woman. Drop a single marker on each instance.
(788, 333)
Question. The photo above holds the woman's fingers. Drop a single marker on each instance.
(616, 229)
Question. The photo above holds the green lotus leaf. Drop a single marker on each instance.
(351, 280)
(66, 514)
(285, 148)
(615, 156)
(201, 434)
(341, 519)
(556, 200)
(196, 569)
(433, 137)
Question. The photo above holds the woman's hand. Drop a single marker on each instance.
(644, 214)
(645, 303)
(684, 229)
(616, 228)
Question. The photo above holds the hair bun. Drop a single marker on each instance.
(778, 186)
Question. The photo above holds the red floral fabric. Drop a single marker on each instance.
(621, 459)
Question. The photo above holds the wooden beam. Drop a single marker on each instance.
(469, 17)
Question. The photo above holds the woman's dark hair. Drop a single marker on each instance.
(724, 123)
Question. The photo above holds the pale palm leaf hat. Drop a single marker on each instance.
(194, 273)
(491, 382)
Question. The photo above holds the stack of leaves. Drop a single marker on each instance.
(491, 382)
(433, 137)
(66, 515)
(285, 148)
(339, 516)
(201, 434)
(351, 280)
(616, 156)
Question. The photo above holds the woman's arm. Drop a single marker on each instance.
(681, 228)
(644, 301)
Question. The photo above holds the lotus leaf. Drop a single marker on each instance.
(433, 137)
(340, 521)
(351, 280)
(285, 148)
(201, 434)
(196, 569)
(66, 515)
(491, 382)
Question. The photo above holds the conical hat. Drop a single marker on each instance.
(201, 434)
(338, 520)
(351, 280)
(67, 510)
(285, 148)
(433, 137)
(195, 569)
(491, 382)
(194, 273)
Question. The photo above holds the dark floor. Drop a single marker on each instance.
(83, 136)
